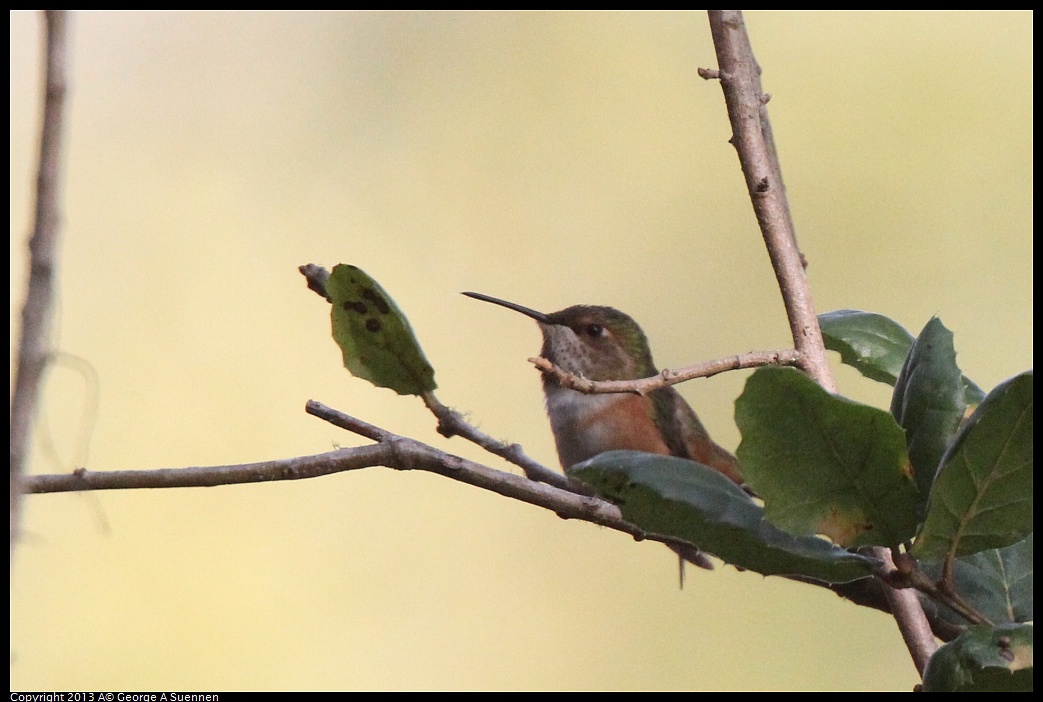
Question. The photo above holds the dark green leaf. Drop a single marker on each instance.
(876, 346)
(681, 498)
(375, 337)
(928, 402)
(825, 464)
(995, 582)
(982, 496)
(983, 659)
(873, 344)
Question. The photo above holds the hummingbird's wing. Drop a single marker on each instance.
(686, 436)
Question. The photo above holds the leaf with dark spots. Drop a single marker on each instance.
(377, 300)
(376, 340)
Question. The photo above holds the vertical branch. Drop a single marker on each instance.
(909, 615)
(752, 138)
(33, 351)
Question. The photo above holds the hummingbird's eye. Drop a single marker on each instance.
(594, 330)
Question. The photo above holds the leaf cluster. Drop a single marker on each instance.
(943, 479)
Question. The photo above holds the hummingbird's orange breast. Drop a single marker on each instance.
(586, 425)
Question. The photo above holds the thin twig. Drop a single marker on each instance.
(452, 423)
(908, 574)
(34, 348)
(751, 359)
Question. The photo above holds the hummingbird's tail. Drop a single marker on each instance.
(691, 555)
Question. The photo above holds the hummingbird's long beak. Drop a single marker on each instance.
(528, 312)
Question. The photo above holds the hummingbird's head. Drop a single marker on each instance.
(599, 343)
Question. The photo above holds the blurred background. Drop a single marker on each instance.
(546, 158)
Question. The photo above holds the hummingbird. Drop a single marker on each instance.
(602, 343)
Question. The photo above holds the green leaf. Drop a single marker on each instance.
(374, 336)
(681, 498)
(876, 346)
(928, 402)
(995, 582)
(873, 344)
(982, 496)
(825, 464)
(983, 659)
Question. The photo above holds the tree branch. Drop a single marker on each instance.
(451, 423)
(34, 348)
(753, 141)
(296, 468)
(402, 453)
(909, 615)
(391, 450)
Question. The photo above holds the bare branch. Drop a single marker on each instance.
(392, 450)
(752, 138)
(751, 359)
(909, 614)
(211, 476)
(34, 348)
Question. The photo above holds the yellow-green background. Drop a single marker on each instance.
(548, 158)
